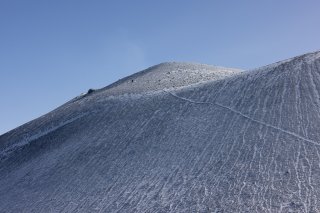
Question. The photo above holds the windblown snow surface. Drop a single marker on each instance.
(222, 141)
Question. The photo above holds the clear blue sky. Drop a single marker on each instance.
(51, 51)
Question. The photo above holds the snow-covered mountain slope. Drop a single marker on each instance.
(248, 142)
(160, 77)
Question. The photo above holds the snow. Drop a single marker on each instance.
(169, 75)
(251, 119)
(20, 144)
(228, 142)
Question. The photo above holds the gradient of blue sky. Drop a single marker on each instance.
(51, 51)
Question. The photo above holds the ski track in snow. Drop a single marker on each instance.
(246, 116)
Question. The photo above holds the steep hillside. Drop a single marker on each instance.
(248, 142)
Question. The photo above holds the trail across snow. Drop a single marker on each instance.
(247, 117)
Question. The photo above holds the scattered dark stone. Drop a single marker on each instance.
(90, 91)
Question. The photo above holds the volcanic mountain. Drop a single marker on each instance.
(176, 137)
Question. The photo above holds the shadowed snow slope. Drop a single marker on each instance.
(248, 142)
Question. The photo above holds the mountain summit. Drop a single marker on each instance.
(176, 137)
(169, 75)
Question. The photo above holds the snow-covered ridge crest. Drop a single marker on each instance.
(299, 60)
